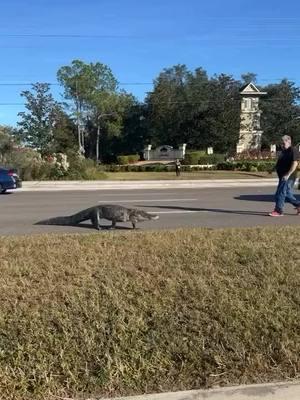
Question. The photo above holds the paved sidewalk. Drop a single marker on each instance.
(279, 391)
(131, 185)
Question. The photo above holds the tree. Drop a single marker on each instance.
(223, 115)
(37, 124)
(280, 112)
(168, 106)
(135, 132)
(81, 83)
(188, 107)
(249, 77)
(7, 142)
(107, 110)
(64, 133)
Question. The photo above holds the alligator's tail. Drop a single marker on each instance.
(57, 221)
(69, 220)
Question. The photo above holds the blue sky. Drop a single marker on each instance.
(138, 38)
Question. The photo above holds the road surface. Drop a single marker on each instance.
(232, 207)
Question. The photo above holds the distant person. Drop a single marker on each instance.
(178, 167)
(286, 169)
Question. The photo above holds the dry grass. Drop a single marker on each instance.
(124, 314)
(144, 176)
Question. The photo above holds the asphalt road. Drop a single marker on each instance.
(233, 207)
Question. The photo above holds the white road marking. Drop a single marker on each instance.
(134, 194)
(178, 212)
(146, 201)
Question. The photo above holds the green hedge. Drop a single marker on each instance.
(133, 158)
(211, 159)
(122, 160)
(248, 166)
(192, 157)
(152, 168)
(200, 158)
(129, 159)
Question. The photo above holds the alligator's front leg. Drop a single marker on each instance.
(95, 218)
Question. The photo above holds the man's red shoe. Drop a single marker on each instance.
(298, 210)
(276, 214)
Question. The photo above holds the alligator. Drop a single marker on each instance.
(112, 213)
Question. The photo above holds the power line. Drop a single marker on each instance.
(197, 37)
(170, 102)
(57, 84)
(70, 35)
(129, 83)
(12, 104)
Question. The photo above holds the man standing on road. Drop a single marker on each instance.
(177, 167)
(286, 169)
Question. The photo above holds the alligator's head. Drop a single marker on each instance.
(140, 215)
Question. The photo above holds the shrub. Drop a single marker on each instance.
(187, 168)
(122, 160)
(248, 166)
(56, 166)
(199, 157)
(160, 168)
(226, 166)
(133, 158)
(128, 159)
(192, 158)
(251, 155)
(113, 168)
(78, 167)
(94, 174)
(211, 159)
(27, 161)
(149, 168)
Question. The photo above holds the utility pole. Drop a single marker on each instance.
(80, 132)
(98, 140)
(98, 133)
(77, 117)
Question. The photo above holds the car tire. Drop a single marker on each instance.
(2, 191)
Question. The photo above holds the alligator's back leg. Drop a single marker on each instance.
(113, 224)
(133, 221)
(95, 218)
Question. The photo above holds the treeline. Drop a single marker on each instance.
(101, 121)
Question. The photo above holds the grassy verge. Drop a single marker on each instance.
(126, 314)
(122, 176)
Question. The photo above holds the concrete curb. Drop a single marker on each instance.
(142, 185)
(270, 391)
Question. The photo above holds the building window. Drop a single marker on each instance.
(247, 104)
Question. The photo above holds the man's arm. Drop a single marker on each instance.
(292, 170)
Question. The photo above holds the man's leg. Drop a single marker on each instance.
(290, 197)
(280, 195)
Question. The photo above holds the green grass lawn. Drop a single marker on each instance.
(120, 314)
(186, 175)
